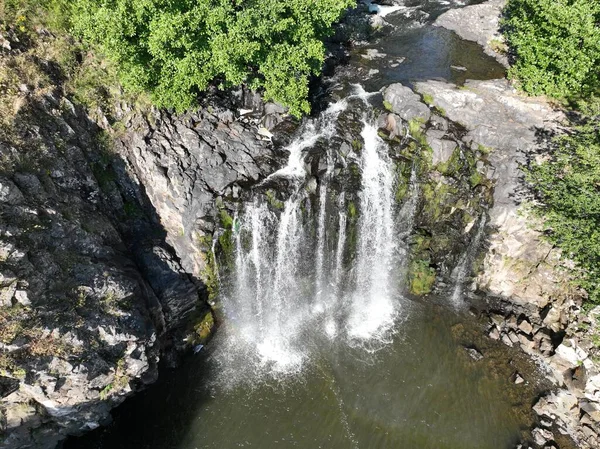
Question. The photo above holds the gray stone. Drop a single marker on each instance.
(474, 353)
(494, 334)
(406, 103)
(519, 379)
(439, 123)
(443, 149)
(6, 293)
(478, 23)
(591, 409)
(22, 298)
(9, 192)
(542, 436)
(526, 327)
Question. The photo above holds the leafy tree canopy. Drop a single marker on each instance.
(175, 49)
(567, 186)
(556, 45)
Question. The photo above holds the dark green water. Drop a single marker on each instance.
(421, 390)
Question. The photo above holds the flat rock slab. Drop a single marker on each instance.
(478, 23)
(404, 102)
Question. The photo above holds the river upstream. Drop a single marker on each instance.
(320, 344)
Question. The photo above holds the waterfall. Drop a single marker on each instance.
(341, 242)
(291, 289)
(373, 306)
(321, 231)
(464, 265)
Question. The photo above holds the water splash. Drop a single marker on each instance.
(313, 131)
(383, 10)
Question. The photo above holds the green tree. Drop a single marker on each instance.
(567, 187)
(175, 49)
(556, 46)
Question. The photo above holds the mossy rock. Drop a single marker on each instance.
(204, 328)
(403, 169)
(437, 198)
(274, 202)
(421, 277)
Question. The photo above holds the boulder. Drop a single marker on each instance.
(407, 104)
(478, 23)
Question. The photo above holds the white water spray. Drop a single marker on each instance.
(373, 309)
(291, 287)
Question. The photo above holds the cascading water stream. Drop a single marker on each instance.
(292, 286)
(341, 242)
(373, 311)
(462, 269)
(321, 231)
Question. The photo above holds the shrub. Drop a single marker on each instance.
(567, 187)
(555, 44)
(176, 49)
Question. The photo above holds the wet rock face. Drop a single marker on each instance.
(76, 316)
(101, 255)
(508, 126)
(404, 102)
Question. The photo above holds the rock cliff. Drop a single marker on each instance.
(101, 252)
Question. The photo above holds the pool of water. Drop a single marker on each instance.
(409, 48)
(420, 390)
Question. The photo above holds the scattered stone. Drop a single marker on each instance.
(494, 334)
(542, 436)
(513, 337)
(591, 409)
(518, 380)
(506, 340)
(264, 132)
(6, 293)
(22, 298)
(526, 327)
(474, 353)
(567, 356)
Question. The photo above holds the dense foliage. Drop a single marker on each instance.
(568, 189)
(176, 48)
(556, 45)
